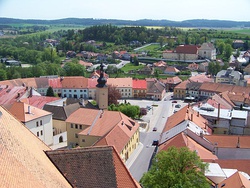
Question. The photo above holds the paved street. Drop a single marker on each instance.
(156, 117)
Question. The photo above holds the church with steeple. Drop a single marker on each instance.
(102, 90)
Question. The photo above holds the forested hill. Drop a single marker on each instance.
(144, 22)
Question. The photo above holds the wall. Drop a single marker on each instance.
(56, 138)
(59, 126)
(71, 133)
(43, 131)
(75, 93)
(232, 153)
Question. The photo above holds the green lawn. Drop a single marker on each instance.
(240, 31)
(128, 67)
(152, 47)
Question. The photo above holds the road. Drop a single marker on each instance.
(156, 117)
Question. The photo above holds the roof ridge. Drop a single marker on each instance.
(96, 118)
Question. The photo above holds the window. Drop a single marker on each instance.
(76, 126)
(37, 124)
(76, 135)
(37, 134)
(83, 140)
(80, 90)
(80, 126)
(74, 90)
(64, 90)
(84, 90)
(70, 90)
(71, 125)
(41, 122)
(41, 132)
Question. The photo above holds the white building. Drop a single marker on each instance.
(38, 121)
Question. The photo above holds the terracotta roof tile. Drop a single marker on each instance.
(21, 111)
(187, 49)
(120, 135)
(185, 113)
(229, 141)
(182, 140)
(239, 164)
(120, 82)
(102, 166)
(77, 82)
(39, 101)
(236, 180)
(23, 161)
(201, 78)
(139, 84)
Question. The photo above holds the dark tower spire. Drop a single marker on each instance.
(101, 80)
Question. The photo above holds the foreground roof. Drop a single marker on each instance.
(23, 161)
(236, 180)
(25, 112)
(93, 167)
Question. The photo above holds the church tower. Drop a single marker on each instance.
(102, 90)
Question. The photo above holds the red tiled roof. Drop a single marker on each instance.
(23, 161)
(10, 94)
(171, 69)
(201, 78)
(21, 111)
(139, 84)
(55, 83)
(120, 82)
(236, 180)
(86, 64)
(186, 113)
(92, 82)
(75, 82)
(229, 141)
(182, 140)
(187, 49)
(239, 164)
(182, 85)
(39, 101)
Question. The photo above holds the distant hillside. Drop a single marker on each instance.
(144, 22)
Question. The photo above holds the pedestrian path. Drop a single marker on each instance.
(134, 155)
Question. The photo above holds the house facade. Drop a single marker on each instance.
(139, 88)
(75, 87)
(124, 85)
(87, 127)
(38, 121)
(182, 53)
(230, 76)
(207, 51)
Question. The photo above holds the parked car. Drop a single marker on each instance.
(155, 129)
(174, 101)
(155, 143)
(177, 106)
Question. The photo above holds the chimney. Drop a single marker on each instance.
(218, 118)
(64, 103)
(29, 110)
(198, 114)
(192, 117)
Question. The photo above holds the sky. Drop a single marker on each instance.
(176, 10)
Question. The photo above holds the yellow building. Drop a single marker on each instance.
(88, 127)
(180, 90)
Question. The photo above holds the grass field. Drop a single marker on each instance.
(128, 67)
(240, 31)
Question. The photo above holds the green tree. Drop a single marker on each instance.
(136, 61)
(3, 75)
(176, 167)
(214, 68)
(50, 92)
(228, 51)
